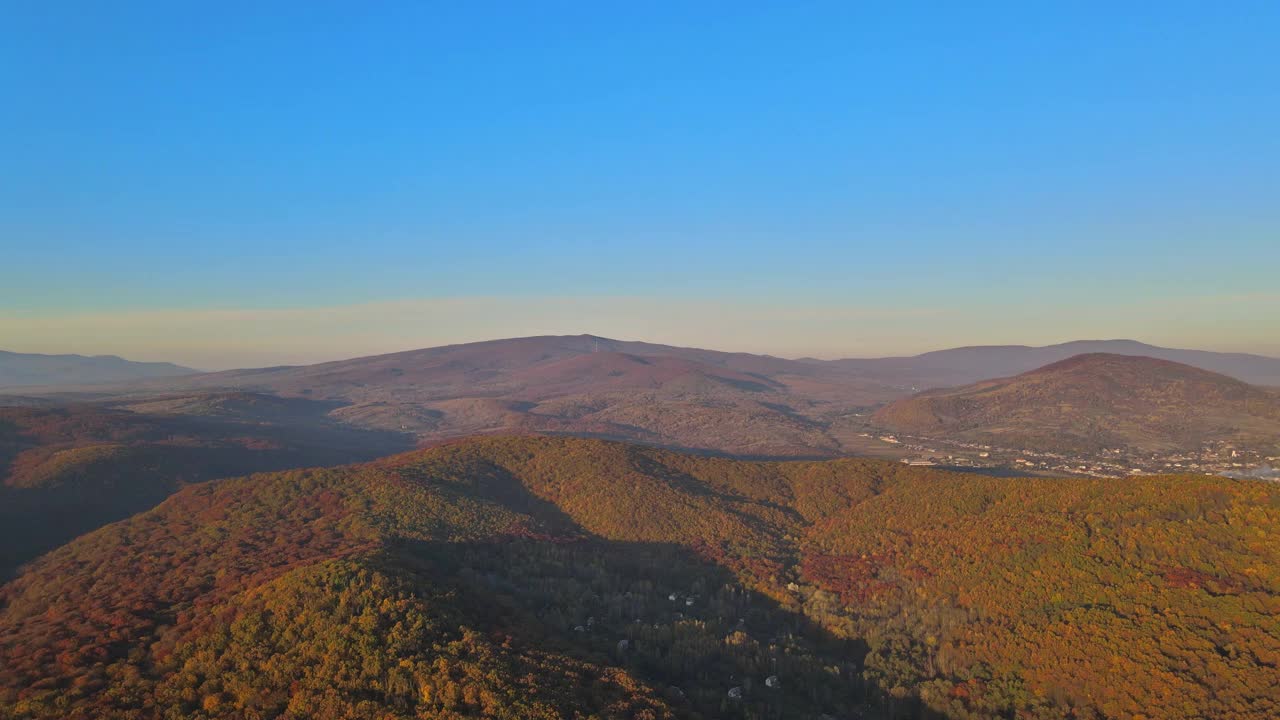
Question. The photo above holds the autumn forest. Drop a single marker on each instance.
(534, 577)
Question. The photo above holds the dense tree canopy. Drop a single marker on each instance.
(546, 577)
(68, 470)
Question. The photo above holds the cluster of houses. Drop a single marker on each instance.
(1213, 458)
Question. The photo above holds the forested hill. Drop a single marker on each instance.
(68, 470)
(1089, 402)
(549, 577)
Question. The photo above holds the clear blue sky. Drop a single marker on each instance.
(178, 156)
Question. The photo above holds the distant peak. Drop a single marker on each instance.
(1117, 342)
(1100, 362)
(597, 338)
(1102, 358)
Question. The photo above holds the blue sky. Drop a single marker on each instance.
(162, 158)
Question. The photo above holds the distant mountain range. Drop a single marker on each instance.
(488, 359)
(585, 385)
(964, 365)
(1094, 401)
(581, 385)
(27, 369)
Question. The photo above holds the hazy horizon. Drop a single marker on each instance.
(228, 339)
(298, 183)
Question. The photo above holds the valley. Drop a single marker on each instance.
(1216, 458)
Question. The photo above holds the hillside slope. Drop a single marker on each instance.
(965, 365)
(65, 471)
(1096, 401)
(515, 578)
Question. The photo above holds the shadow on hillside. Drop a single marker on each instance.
(692, 486)
(559, 587)
(699, 451)
(688, 628)
(41, 513)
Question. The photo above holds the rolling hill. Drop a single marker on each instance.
(1094, 401)
(69, 470)
(512, 578)
(24, 369)
(965, 365)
